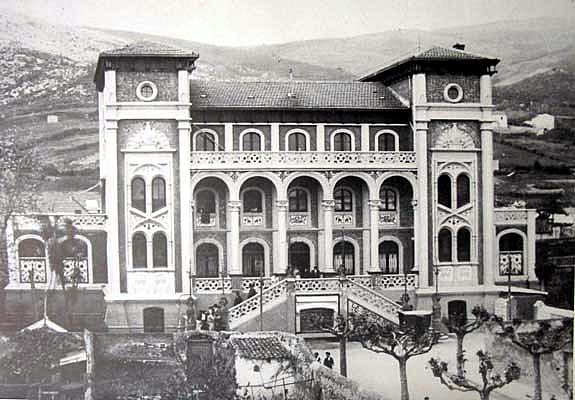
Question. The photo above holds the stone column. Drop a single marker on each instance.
(281, 262)
(486, 186)
(374, 235)
(186, 223)
(328, 206)
(416, 236)
(234, 259)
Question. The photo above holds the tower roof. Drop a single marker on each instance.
(145, 50)
(418, 62)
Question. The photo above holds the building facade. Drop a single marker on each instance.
(208, 186)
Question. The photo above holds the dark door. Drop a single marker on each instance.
(299, 257)
(153, 319)
(457, 311)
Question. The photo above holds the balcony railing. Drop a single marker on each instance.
(256, 219)
(511, 263)
(303, 159)
(82, 222)
(388, 218)
(206, 220)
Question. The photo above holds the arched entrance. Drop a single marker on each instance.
(344, 255)
(253, 256)
(299, 257)
(389, 257)
(457, 311)
(207, 260)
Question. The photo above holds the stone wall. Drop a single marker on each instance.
(435, 84)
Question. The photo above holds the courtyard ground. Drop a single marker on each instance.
(379, 372)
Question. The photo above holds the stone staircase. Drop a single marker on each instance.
(350, 289)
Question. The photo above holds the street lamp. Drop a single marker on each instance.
(436, 307)
(405, 296)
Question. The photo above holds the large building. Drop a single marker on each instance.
(207, 185)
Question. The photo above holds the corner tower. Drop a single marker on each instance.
(143, 103)
(449, 91)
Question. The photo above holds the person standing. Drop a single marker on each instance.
(328, 360)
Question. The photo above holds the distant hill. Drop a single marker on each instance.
(48, 69)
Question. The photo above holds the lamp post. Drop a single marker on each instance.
(405, 306)
(436, 308)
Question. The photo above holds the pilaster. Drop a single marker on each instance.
(485, 90)
(229, 137)
(374, 235)
(320, 137)
(280, 266)
(488, 223)
(112, 188)
(364, 137)
(183, 86)
(531, 216)
(275, 136)
(328, 206)
(186, 222)
(423, 243)
(419, 91)
(234, 264)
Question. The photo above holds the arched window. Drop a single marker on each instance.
(297, 200)
(160, 250)
(139, 251)
(344, 255)
(205, 141)
(388, 199)
(139, 194)
(444, 246)
(511, 242)
(342, 141)
(251, 141)
(463, 190)
(511, 254)
(389, 257)
(31, 248)
(207, 260)
(253, 259)
(205, 206)
(343, 199)
(158, 193)
(444, 190)
(297, 142)
(253, 201)
(386, 142)
(463, 245)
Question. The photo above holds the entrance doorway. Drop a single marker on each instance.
(299, 258)
(457, 311)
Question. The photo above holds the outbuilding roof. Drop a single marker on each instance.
(293, 95)
(149, 49)
(260, 348)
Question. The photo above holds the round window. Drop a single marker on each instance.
(453, 93)
(146, 91)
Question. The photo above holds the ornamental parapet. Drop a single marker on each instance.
(303, 159)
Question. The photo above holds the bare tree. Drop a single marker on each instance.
(543, 337)
(489, 379)
(20, 179)
(343, 329)
(402, 343)
(461, 327)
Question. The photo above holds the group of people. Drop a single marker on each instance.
(297, 272)
(216, 317)
(327, 361)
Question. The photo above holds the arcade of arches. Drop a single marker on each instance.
(354, 222)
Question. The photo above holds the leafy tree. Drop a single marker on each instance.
(489, 379)
(542, 337)
(461, 327)
(33, 353)
(19, 182)
(402, 343)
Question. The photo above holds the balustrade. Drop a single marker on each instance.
(388, 218)
(206, 220)
(82, 222)
(511, 263)
(35, 266)
(252, 219)
(212, 285)
(303, 159)
(252, 305)
(298, 219)
(76, 270)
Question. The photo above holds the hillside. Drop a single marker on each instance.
(47, 69)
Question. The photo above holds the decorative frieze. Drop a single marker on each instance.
(510, 216)
(388, 218)
(343, 219)
(298, 219)
(252, 220)
(83, 222)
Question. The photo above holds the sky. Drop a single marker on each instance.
(255, 22)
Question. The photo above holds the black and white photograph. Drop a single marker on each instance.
(287, 200)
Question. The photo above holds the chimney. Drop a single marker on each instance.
(459, 46)
(290, 72)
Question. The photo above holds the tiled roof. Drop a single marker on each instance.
(293, 95)
(260, 348)
(153, 49)
(63, 202)
(433, 54)
(442, 53)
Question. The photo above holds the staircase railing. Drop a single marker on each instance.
(253, 303)
(374, 300)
